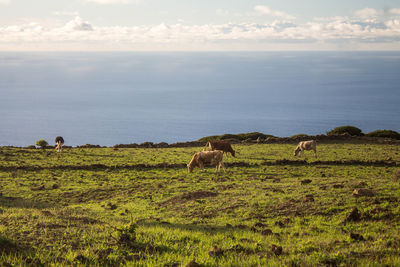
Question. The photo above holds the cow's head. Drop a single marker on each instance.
(296, 151)
(190, 167)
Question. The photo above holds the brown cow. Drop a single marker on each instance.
(220, 145)
(206, 157)
(306, 145)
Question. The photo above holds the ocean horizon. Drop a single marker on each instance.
(110, 98)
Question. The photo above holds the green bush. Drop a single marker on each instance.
(252, 136)
(126, 235)
(42, 143)
(296, 136)
(350, 130)
(208, 138)
(241, 136)
(228, 136)
(384, 133)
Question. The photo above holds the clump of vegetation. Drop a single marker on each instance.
(42, 143)
(350, 130)
(126, 235)
(385, 133)
(297, 136)
(239, 137)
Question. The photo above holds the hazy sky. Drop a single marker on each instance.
(199, 25)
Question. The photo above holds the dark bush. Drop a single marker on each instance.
(252, 136)
(211, 137)
(42, 143)
(301, 136)
(241, 136)
(228, 136)
(89, 146)
(384, 133)
(350, 130)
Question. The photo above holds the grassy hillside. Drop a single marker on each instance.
(140, 207)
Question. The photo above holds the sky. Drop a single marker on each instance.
(199, 25)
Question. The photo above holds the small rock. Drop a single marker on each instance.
(267, 232)
(363, 192)
(306, 181)
(356, 237)
(338, 186)
(277, 250)
(193, 264)
(354, 216)
(215, 251)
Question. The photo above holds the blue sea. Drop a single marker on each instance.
(110, 98)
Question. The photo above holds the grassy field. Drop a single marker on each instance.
(140, 207)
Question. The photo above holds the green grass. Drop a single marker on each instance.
(140, 207)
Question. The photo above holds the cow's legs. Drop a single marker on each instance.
(315, 152)
(58, 147)
(221, 164)
(201, 166)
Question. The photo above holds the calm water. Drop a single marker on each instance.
(114, 98)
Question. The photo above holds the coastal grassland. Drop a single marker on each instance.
(140, 207)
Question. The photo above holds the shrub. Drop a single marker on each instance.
(228, 136)
(384, 133)
(350, 130)
(296, 136)
(126, 235)
(42, 143)
(241, 136)
(252, 136)
(208, 138)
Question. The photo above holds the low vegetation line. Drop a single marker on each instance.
(183, 165)
(331, 162)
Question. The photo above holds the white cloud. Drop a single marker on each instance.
(80, 33)
(4, 2)
(394, 11)
(78, 24)
(367, 13)
(265, 10)
(393, 24)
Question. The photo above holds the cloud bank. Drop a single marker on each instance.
(363, 31)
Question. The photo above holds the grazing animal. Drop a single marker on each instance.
(306, 145)
(59, 142)
(206, 157)
(220, 145)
